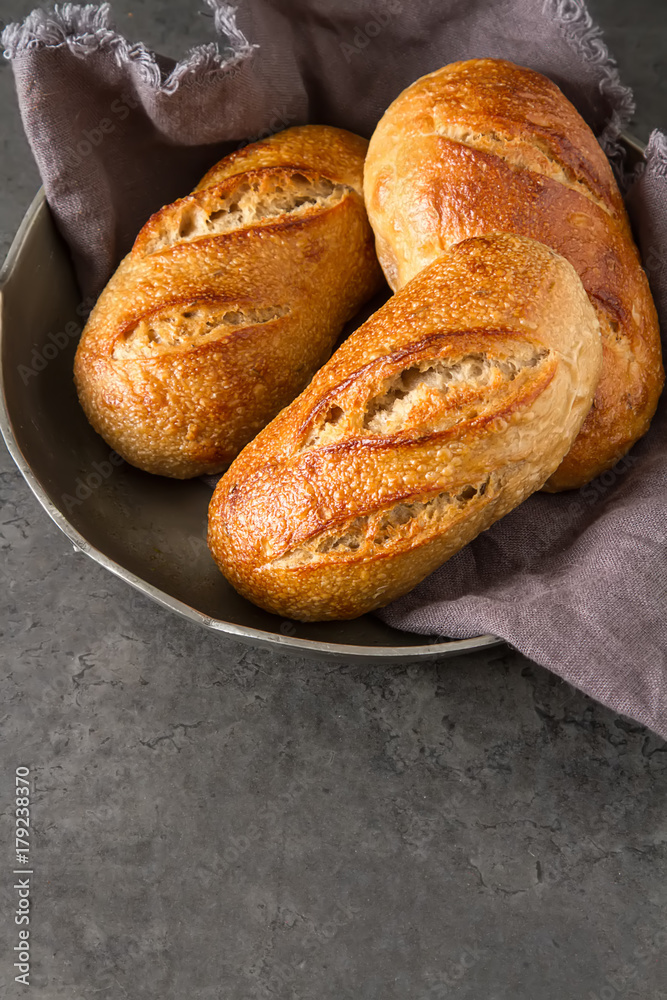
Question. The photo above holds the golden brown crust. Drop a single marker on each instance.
(486, 146)
(228, 302)
(440, 414)
(332, 152)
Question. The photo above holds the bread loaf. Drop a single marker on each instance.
(228, 302)
(445, 410)
(486, 146)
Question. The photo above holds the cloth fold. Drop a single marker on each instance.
(575, 581)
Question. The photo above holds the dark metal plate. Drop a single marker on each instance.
(148, 530)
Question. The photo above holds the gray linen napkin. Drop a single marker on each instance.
(577, 581)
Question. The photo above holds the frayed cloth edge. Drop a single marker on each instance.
(88, 29)
(585, 37)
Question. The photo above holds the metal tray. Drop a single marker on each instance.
(147, 530)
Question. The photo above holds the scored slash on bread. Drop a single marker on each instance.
(444, 411)
(487, 146)
(228, 302)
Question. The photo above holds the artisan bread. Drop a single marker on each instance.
(445, 410)
(486, 146)
(228, 302)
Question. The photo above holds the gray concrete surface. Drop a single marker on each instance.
(220, 823)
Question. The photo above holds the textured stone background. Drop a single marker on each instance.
(219, 823)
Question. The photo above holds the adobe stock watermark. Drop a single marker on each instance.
(93, 138)
(617, 983)
(56, 343)
(420, 827)
(588, 495)
(88, 484)
(562, 516)
(443, 983)
(270, 812)
(22, 884)
(365, 33)
(611, 815)
(267, 817)
(279, 977)
(281, 118)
